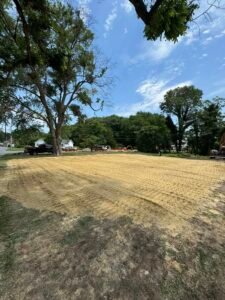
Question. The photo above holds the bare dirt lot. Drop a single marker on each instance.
(113, 226)
(146, 188)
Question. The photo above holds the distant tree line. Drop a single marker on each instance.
(185, 119)
(186, 122)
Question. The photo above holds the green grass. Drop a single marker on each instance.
(176, 155)
(13, 149)
(184, 155)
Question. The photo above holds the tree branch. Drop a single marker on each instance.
(41, 117)
(142, 11)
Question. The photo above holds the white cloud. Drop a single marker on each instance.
(127, 6)
(190, 37)
(84, 8)
(154, 51)
(161, 50)
(221, 34)
(110, 19)
(152, 92)
(125, 30)
(206, 31)
(208, 40)
(204, 55)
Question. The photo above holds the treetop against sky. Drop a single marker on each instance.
(145, 70)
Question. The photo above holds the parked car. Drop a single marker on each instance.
(43, 148)
(218, 153)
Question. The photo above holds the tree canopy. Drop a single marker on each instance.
(169, 19)
(182, 103)
(165, 18)
(92, 132)
(207, 128)
(47, 56)
(145, 131)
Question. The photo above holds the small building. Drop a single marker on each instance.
(39, 142)
(67, 144)
(9, 143)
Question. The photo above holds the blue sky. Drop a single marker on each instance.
(145, 70)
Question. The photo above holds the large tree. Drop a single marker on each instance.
(183, 104)
(210, 126)
(47, 55)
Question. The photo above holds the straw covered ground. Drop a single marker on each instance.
(115, 226)
(169, 191)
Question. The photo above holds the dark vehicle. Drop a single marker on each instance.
(44, 148)
(215, 154)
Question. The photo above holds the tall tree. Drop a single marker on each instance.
(47, 55)
(183, 103)
(210, 125)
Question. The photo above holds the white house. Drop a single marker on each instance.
(39, 142)
(9, 143)
(67, 144)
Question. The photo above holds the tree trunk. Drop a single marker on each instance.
(180, 140)
(55, 143)
(58, 136)
(180, 144)
(56, 139)
(5, 131)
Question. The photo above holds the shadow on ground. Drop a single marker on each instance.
(46, 255)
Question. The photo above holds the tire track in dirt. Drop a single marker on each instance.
(109, 192)
(189, 200)
(145, 188)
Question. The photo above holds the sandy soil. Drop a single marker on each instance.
(112, 227)
(168, 191)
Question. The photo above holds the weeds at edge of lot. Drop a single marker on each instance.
(181, 155)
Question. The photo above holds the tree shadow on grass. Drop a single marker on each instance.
(45, 255)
